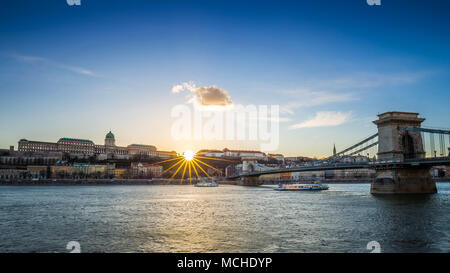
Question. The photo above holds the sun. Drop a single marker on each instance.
(189, 164)
(188, 155)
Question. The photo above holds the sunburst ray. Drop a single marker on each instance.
(168, 160)
(178, 169)
(200, 168)
(190, 161)
(212, 158)
(206, 164)
(195, 170)
(184, 171)
(190, 178)
(180, 161)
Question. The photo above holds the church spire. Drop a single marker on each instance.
(334, 149)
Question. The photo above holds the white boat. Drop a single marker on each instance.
(315, 186)
(206, 184)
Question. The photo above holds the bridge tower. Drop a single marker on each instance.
(395, 146)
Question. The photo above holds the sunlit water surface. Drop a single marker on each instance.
(223, 219)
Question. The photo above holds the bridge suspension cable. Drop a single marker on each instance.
(356, 145)
(364, 148)
(429, 134)
(368, 143)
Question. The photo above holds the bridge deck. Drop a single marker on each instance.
(366, 165)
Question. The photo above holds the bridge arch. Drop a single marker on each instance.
(408, 146)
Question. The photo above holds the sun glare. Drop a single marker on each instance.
(188, 155)
(189, 164)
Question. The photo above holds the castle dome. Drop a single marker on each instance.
(110, 135)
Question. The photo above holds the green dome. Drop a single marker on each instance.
(110, 135)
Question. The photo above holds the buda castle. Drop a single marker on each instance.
(80, 148)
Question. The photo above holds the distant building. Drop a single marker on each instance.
(82, 148)
(86, 170)
(354, 159)
(61, 171)
(29, 158)
(245, 155)
(13, 174)
(75, 146)
(140, 149)
(38, 172)
(37, 146)
(110, 149)
(166, 155)
(121, 173)
(242, 154)
(297, 160)
(278, 157)
(139, 169)
(211, 153)
(80, 170)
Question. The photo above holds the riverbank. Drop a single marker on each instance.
(111, 182)
(164, 181)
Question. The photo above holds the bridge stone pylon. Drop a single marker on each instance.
(395, 143)
(395, 147)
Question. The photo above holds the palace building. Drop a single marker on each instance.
(242, 154)
(84, 148)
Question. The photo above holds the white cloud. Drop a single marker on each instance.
(213, 95)
(205, 95)
(190, 86)
(362, 80)
(315, 92)
(34, 59)
(308, 98)
(78, 70)
(177, 88)
(323, 119)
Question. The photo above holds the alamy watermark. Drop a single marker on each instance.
(74, 247)
(73, 2)
(373, 2)
(238, 122)
(374, 246)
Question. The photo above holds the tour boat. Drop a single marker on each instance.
(206, 184)
(315, 186)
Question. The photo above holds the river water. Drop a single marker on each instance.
(228, 218)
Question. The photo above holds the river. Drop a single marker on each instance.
(177, 218)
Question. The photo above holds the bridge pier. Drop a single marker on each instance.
(403, 181)
(394, 147)
(250, 181)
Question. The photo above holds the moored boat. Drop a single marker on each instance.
(315, 186)
(206, 184)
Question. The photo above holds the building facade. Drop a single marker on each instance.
(243, 155)
(140, 149)
(13, 174)
(86, 170)
(38, 172)
(85, 148)
(29, 158)
(144, 170)
(61, 171)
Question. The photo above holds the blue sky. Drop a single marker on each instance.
(78, 71)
